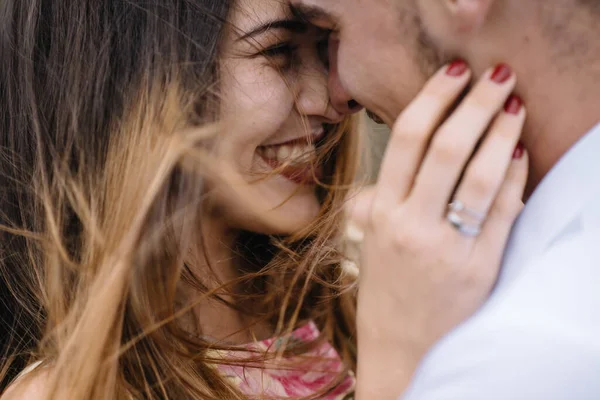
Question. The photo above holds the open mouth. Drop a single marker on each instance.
(295, 160)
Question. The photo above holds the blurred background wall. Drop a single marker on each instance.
(377, 138)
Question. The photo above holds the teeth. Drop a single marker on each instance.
(297, 153)
(270, 153)
(306, 154)
(284, 152)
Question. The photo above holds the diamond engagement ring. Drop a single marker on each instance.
(465, 220)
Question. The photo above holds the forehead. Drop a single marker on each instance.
(316, 9)
(246, 14)
(344, 12)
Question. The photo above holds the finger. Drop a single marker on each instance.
(508, 204)
(358, 207)
(413, 129)
(456, 139)
(487, 170)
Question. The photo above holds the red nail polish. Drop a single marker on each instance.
(519, 151)
(513, 105)
(501, 73)
(457, 68)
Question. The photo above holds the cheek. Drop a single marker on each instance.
(378, 81)
(392, 67)
(433, 22)
(257, 102)
(254, 92)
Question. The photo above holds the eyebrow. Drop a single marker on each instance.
(292, 25)
(308, 13)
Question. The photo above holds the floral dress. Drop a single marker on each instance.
(307, 375)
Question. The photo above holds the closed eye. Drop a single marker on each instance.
(281, 55)
(280, 49)
(323, 48)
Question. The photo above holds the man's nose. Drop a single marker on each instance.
(341, 100)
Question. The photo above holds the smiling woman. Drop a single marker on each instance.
(172, 202)
(273, 74)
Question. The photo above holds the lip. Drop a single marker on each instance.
(314, 137)
(304, 174)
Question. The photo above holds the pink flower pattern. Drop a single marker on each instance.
(295, 377)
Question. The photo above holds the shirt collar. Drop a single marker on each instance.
(558, 200)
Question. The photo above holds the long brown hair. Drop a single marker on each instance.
(104, 104)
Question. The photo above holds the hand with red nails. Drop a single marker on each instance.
(449, 190)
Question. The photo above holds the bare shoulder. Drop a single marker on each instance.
(31, 385)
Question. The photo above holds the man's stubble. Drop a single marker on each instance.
(428, 57)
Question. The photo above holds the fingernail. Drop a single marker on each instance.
(457, 68)
(519, 151)
(501, 73)
(513, 105)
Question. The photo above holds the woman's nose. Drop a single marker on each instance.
(313, 97)
(340, 98)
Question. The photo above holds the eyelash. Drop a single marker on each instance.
(284, 50)
(323, 48)
(288, 51)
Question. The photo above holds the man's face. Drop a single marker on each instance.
(380, 55)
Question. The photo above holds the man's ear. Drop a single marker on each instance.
(469, 15)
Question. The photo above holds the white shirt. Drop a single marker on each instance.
(538, 337)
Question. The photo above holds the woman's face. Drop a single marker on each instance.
(274, 84)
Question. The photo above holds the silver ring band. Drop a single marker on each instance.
(465, 229)
(458, 206)
(457, 211)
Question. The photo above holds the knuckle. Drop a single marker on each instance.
(508, 206)
(425, 104)
(447, 151)
(480, 183)
(379, 213)
(412, 129)
(418, 118)
(432, 99)
(478, 109)
(504, 134)
(482, 103)
(412, 237)
(488, 98)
